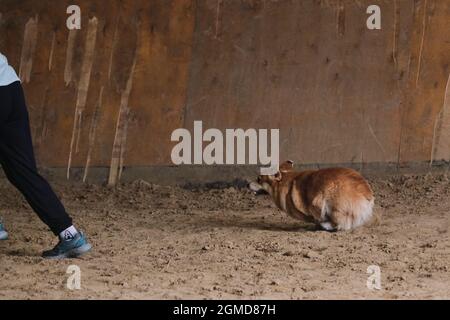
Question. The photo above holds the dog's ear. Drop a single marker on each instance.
(278, 176)
(287, 166)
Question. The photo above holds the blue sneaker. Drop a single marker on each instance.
(69, 248)
(3, 233)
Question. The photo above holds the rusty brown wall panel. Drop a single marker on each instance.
(156, 36)
(427, 84)
(338, 91)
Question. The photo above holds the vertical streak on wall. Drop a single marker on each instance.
(28, 49)
(43, 128)
(340, 23)
(69, 56)
(377, 141)
(123, 143)
(437, 123)
(92, 133)
(219, 4)
(121, 127)
(83, 87)
(424, 28)
(50, 59)
(394, 43)
(114, 43)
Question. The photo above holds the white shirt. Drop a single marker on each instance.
(7, 73)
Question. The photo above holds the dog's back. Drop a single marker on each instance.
(335, 198)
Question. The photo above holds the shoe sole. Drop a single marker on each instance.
(3, 235)
(74, 253)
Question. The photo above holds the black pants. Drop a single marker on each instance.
(18, 162)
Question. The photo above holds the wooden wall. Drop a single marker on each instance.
(110, 94)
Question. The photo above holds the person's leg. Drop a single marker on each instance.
(18, 162)
(19, 165)
(38, 193)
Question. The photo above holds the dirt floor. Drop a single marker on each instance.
(155, 242)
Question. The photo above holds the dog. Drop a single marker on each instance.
(334, 199)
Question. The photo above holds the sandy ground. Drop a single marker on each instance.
(155, 242)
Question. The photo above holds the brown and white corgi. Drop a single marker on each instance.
(334, 199)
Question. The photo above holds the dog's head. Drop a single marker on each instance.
(267, 182)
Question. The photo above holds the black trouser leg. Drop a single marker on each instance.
(18, 162)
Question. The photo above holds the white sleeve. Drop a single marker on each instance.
(7, 73)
